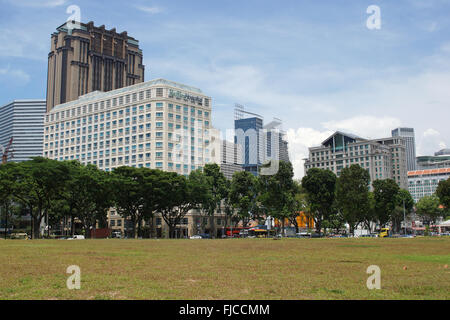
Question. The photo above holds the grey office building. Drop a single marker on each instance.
(22, 120)
(383, 158)
(408, 135)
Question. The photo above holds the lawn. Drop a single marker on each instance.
(226, 269)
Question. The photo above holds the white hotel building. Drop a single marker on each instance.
(156, 124)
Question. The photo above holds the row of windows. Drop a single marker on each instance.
(78, 111)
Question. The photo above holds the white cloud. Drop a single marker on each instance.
(430, 132)
(429, 142)
(38, 3)
(29, 43)
(365, 126)
(150, 10)
(299, 140)
(9, 75)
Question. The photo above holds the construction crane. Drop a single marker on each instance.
(6, 151)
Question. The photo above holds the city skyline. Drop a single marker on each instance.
(298, 62)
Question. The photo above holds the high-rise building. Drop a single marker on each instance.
(22, 120)
(259, 143)
(408, 135)
(248, 134)
(155, 124)
(383, 158)
(231, 157)
(84, 58)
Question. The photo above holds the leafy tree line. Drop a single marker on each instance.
(55, 191)
(52, 191)
(334, 201)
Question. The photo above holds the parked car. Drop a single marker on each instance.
(303, 235)
(23, 236)
(316, 235)
(77, 237)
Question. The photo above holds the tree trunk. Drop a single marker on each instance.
(213, 226)
(36, 227)
(171, 231)
(319, 226)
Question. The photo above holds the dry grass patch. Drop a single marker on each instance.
(226, 269)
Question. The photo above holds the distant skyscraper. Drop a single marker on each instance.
(22, 120)
(84, 58)
(408, 134)
(248, 133)
(259, 142)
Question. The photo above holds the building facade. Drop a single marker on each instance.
(23, 121)
(84, 58)
(441, 159)
(157, 124)
(259, 143)
(423, 183)
(382, 158)
(408, 135)
(231, 158)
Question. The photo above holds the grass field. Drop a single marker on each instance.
(226, 269)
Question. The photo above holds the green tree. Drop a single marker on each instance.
(150, 189)
(277, 193)
(228, 205)
(385, 194)
(38, 182)
(6, 194)
(443, 192)
(369, 216)
(129, 196)
(243, 193)
(320, 186)
(217, 184)
(186, 193)
(87, 196)
(404, 205)
(207, 201)
(428, 208)
(352, 195)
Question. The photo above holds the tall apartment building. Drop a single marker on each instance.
(408, 135)
(156, 124)
(84, 58)
(22, 120)
(423, 183)
(383, 158)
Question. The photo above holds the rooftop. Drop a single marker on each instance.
(428, 172)
(96, 95)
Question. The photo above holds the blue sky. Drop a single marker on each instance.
(314, 64)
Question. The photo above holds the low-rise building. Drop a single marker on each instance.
(423, 183)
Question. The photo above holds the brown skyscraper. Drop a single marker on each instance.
(86, 58)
